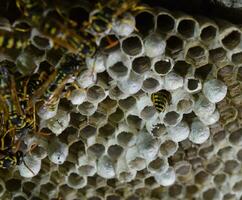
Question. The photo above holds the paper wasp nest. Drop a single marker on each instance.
(108, 142)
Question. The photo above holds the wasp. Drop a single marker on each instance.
(161, 100)
(15, 36)
(100, 20)
(31, 9)
(69, 66)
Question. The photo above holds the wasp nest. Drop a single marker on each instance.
(108, 141)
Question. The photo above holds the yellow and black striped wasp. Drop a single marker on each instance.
(53, 26)
(68, 67)
(16, 36)
(100, 20)
(161, 100)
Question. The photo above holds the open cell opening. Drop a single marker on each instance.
(186, 28)
(237, 58)
(174, 44)
(132, 46)
(127, 103)
(159, 130)
(95, 93)
(117, 116)
(224, 71)
(86, 170)
(41, 42)
(74, 179)
(217, 54)
(231, 40)
(181, 67)
(106, 131)
(119, 69)
(184, 105)
(96, 149)
(148, 112)
(196, 52)
(88, 131)
(162, 67)
(115, 151)
(124, 138)
(192, 84)
(203, 72)
(208, 33)
(144, 22)
(165, 23)
(239, 74)
(109, 43)
(150, 84)
(141, 64)
(13, 184)
(171, 117)
(113, 197)
(134, 121)
(86, 108)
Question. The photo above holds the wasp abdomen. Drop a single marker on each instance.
(161, 100)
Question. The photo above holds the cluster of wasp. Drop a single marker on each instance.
(21, 94)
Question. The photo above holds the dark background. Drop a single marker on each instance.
(209, 8)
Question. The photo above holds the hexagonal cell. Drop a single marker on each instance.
(191, 190)
(109, 43)
(175, 190)
(237, 58)
(231, 166)
(168, 148)
(165, 22)
(208, 33)
(197, 55)
(107, 105)
(231, 40)
(217, 55)
(141, 64)
(124, 138)
(162, 67)
(13, 184)
(174, 45)
(144, 22)
(96, 150)
(220, 179)
(117, 116)
(88, 131)
(223, 72)
(106, 131)
(236, 137)
(87, 108)
(203, 71)
(115, 151)
(181, 67)
(132, 45)
(150, 84)
(172, 118)
(212, 193)
(148, 112)
(186, 27)
(202, 177)
(239, 74)
(134, 121)
(95, 94)
(127, 103)
(118, 70)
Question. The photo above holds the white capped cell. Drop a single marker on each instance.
(215, 90)
(167, 178)
(179, 132)
(199, 132)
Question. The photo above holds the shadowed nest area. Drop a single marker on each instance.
(120, 100)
